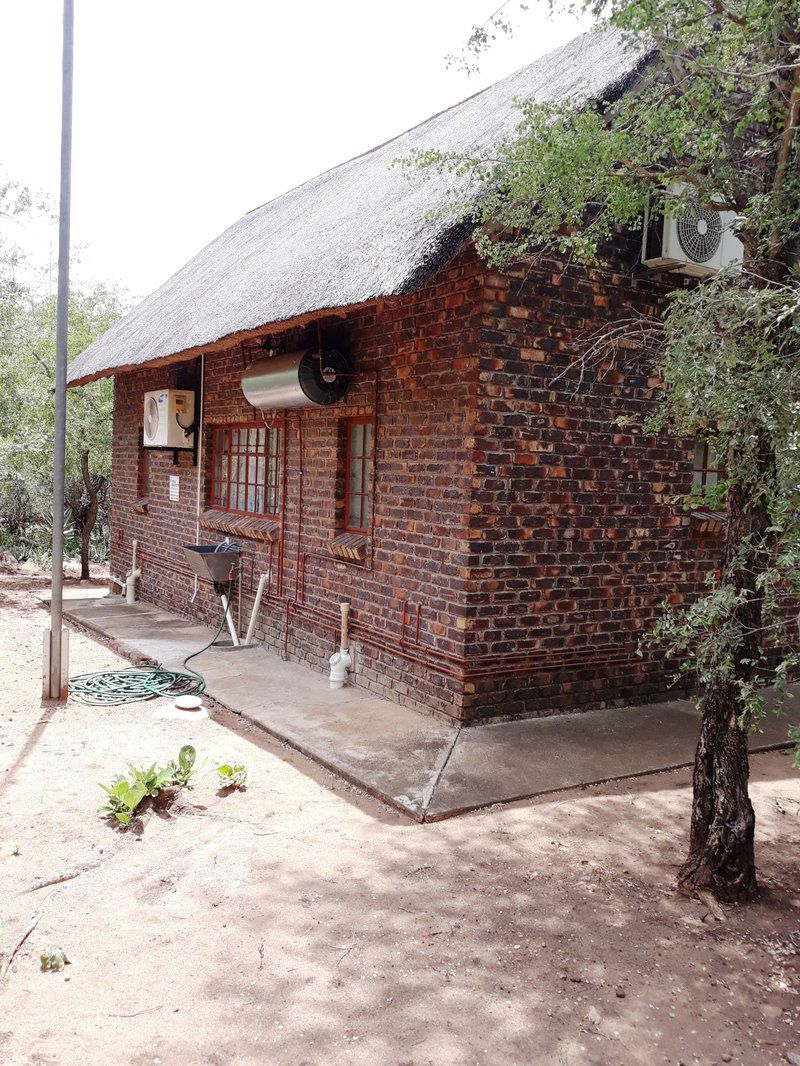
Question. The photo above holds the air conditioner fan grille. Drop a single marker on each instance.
(699, 232)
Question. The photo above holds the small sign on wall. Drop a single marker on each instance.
(174, 488)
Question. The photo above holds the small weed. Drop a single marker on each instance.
(152, 779)
(54, 960)
(184, 771)
(126, 793)
(123, 799)
(232, 776)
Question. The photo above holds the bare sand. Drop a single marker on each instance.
(300, 922)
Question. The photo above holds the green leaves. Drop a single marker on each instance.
(713, 117)
(125, 794)
(184, 771)
(27, 346)
(123, 799)
(232, 775)
(709, 111)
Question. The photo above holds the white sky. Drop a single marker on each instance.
(190, 112)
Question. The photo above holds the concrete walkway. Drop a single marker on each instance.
(422, 765)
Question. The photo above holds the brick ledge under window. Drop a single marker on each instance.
(350, 546)
(709, 521)
(253, 527)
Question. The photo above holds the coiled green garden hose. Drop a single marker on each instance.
(111, 688)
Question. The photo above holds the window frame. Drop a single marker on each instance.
(365, 509)
(700, 485)
(223, 432)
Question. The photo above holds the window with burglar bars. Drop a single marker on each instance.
(706, 468)
(358, 475)
(246, 469)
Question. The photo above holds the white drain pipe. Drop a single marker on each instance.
(231, 627)
(341, 661)
(132, 576)
(248, 640)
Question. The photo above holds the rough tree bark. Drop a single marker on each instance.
(721, 845)
(721, 856)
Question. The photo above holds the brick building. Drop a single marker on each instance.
(501, 542)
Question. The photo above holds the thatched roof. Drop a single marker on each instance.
(356, 233)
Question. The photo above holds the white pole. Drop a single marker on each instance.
(231, 626)
(58, 683)
(248, 640)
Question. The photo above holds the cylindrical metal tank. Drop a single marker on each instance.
(296, 379)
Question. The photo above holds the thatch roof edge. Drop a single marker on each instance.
(358, 233)
(231, 340)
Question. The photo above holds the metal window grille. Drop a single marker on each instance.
(246, 469)
(358, 474)
(706, 468)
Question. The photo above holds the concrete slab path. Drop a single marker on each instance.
(422, 765)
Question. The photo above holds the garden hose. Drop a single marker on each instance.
(111, 688)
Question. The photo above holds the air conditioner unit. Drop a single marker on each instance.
(690, 239)
(168, 414)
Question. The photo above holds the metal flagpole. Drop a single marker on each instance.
(56, 650)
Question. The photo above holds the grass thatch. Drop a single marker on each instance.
(356, 233)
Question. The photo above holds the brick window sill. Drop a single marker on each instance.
(251, 527)
(352, 547)
(708, 521)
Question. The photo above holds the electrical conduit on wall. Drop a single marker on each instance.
(199, 467)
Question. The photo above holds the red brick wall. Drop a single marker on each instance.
(574, 540)
(423, 350)
(534, 536)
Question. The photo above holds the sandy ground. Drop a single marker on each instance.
(300, 922)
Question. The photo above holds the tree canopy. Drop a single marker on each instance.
(710, 122)
(27, 365)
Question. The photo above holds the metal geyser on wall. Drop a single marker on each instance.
(297, 379)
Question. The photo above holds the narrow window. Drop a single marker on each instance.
(245, 468)
(358, 475)
(706, 470)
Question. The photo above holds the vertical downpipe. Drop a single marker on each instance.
(199, 468)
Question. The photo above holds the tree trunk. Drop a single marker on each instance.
(721, 856)
(721, 848)
(91, 514)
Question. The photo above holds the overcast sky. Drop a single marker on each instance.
(190, 112)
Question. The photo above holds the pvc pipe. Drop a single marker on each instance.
(344, 639)
(229, 620)
(248, 640)
(133, 576)
(130, 586)
(341, 661)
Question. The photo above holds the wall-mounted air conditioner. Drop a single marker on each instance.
(168, 414)
(689, 239)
